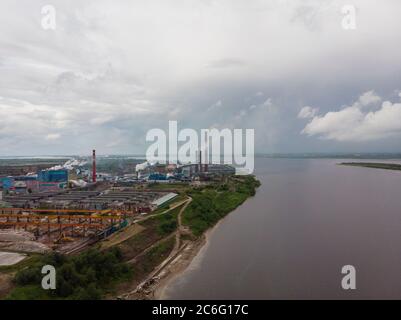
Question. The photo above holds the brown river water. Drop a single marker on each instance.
(309, 218)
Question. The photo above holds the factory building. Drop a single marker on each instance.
(20, 184)
(26, 184)
(6, 183)
(188, 170)
(52, 180)
(53, 175)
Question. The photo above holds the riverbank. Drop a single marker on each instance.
(148, 254)
(173, 267)
(178, 267)
(205, 209)
(194, 249)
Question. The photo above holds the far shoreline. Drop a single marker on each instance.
(374, 165)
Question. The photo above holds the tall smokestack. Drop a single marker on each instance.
(200, 161)
(206, 166)
(94, 166)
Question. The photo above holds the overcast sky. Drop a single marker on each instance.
(112, 70)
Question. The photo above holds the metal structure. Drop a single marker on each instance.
(200, 161)
(54, 211)
(76, 224)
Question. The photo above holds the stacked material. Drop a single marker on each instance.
(25, 246)
(21, 241)
(12, 236)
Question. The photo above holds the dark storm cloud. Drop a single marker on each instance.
(110, 71)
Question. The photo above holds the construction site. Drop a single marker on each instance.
(91, 205)
(68, 219)
(68, 222)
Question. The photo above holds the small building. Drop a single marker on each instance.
(30, 183)
(158, 202)
(188, 170)
(6, 183)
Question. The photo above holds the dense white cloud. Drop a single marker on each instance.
(368, 98)
(354, 123)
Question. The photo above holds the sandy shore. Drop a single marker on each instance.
(177, 267)
(193, 253)
(190, 255)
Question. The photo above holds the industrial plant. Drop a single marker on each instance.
(67, 205)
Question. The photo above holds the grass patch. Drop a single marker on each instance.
(165, 223)
(156, 228)
(154, 257)
(139, 242)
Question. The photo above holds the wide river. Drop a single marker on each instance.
(309, 218)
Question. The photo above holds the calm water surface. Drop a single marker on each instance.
(309, 218)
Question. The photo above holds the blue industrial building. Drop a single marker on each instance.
(6, 183)
(157, 176)
(53, 175)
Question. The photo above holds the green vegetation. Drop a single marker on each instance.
(167, 223)
(86, 276)
(164, 223)
(387, 166)
(154, 256)
(209, 205)
(133, 246)
(156, 228)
